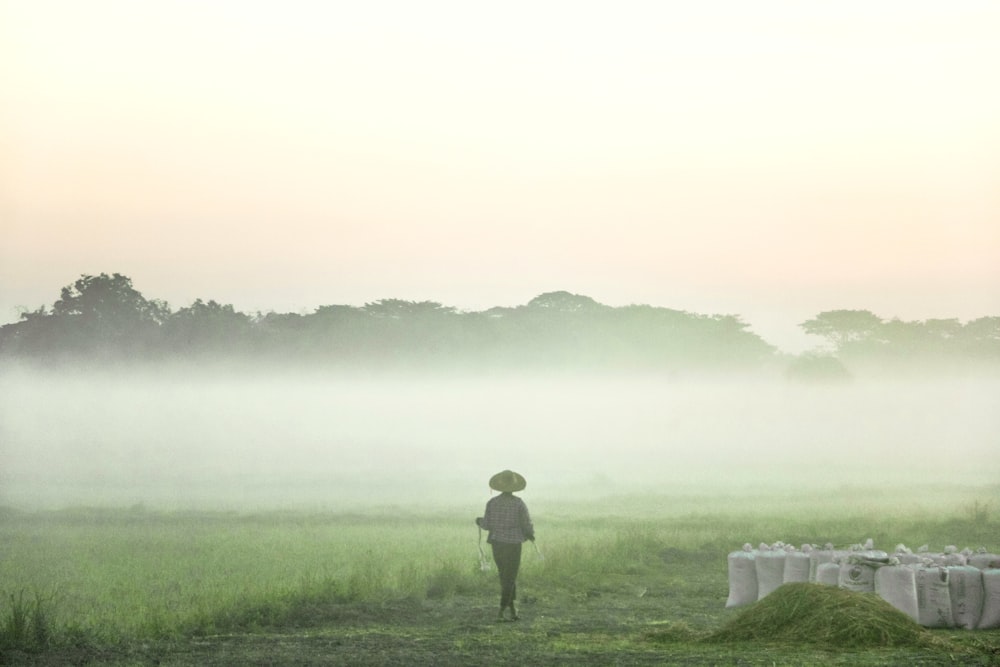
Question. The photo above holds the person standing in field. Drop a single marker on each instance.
(509, 525)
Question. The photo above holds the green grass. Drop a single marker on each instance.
(128, 574)
(613, 572)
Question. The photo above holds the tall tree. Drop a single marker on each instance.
(97, 315)
(843, 327)
(109, 299)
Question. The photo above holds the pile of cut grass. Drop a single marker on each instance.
(826, 616)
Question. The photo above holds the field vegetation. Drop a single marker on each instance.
(616, 580)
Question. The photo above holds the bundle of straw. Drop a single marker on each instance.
(805, 613)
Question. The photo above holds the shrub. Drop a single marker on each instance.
(812, 367)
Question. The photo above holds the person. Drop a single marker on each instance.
(509, 525)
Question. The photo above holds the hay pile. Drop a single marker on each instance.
(826, 616)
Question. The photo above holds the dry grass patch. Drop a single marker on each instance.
(827, 616)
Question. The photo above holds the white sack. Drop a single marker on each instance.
(952, 557)
(868, 551)
(897, 585)
(796, 566)
(770, 571)
(742, 577)
(856, 576)
(933, 597)
(828, 574)
(817, 557)
(990, 617)
(982, 559)
(905, 556)
(965, 586)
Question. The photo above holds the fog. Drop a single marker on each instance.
(235, 439)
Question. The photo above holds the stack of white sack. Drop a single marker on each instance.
(949, 593)
(950, 589)
(949, 557)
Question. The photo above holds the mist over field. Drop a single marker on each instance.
(178, 437)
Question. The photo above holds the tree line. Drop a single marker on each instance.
(860, 337)
(104, 318)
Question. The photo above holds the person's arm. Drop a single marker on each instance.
(484, 521)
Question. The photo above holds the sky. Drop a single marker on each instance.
(771, 159)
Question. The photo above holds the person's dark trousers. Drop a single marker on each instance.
(508, 560)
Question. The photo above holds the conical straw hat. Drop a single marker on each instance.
(508, 480)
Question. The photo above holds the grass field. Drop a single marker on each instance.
(623, 580)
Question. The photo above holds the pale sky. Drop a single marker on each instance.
(771, 159)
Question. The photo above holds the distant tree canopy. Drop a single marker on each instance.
(104, 318)
(205, 326)
(860, 335)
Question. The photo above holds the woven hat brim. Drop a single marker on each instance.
(507, 481)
